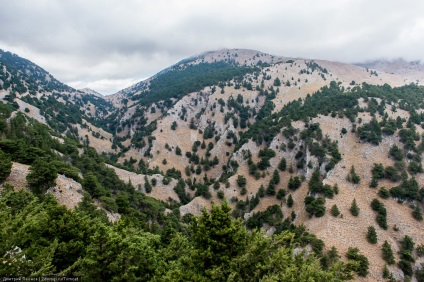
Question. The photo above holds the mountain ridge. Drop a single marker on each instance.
(226, 138)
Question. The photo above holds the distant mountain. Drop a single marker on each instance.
(21, 76)
(91, 91)
(413, 69)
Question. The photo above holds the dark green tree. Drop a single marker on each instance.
(417, 214)
(92, 185)
(5, 166)
(387, 253)
(372, 235)
(335, 211)
(354, 209)
(217, 239)
(290, 201)
(42, 176)
(147, 185)
(282, 165)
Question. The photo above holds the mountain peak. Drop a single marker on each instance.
(91, 91)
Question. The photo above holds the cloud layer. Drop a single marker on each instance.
(108, 45)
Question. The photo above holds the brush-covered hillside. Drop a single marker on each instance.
(325, 152)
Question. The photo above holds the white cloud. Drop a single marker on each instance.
(92, 41)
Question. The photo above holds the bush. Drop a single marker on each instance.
(220, 194)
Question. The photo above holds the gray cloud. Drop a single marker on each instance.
(108, 44)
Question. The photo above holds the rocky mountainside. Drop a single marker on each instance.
(285, 141)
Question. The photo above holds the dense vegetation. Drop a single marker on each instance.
(186, 78)
(43, 238)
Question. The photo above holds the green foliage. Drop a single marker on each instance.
(294, 183)
(315, 206)
(420, 250)
(272, 216)
(241, 181)
(417, 213)
(381, 219)
(5, 166)
(42, 176)
(217, 238)
(181, 192)
(384, 193)
(372, 235)
(406, 259)
(396, 153)
(174, 125)
(353, 254)
(354, 209)
(282, 165)
(290, 201)
(407, 190)
(335, 211)
(270, 189)
(147, 185)
(92, 185)
(387, 253)
(353, 177)
(187, 78)
(281, 194)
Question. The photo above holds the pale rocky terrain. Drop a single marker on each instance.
(67, 191)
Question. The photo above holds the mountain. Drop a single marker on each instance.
(290, 143)
(91, 91)
(414, 69)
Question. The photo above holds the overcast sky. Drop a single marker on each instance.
(108, 45)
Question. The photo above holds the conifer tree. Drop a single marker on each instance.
(372, 235)
(335, 211)
(147, 185)
(290, 201)
(354, 209)
(387, 253)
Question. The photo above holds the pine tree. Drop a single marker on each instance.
(354, 209)
(372, 235)
(270, 190)
(352, 176)
(275, 177)
(417, 214)
(290, 201)
(387, 253)
(5, 166)
(281, 194)
(261, 191)
(335, 211)
(42, 176)
(283, 164)
(147, 185)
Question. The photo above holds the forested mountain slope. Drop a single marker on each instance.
(292, 145)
